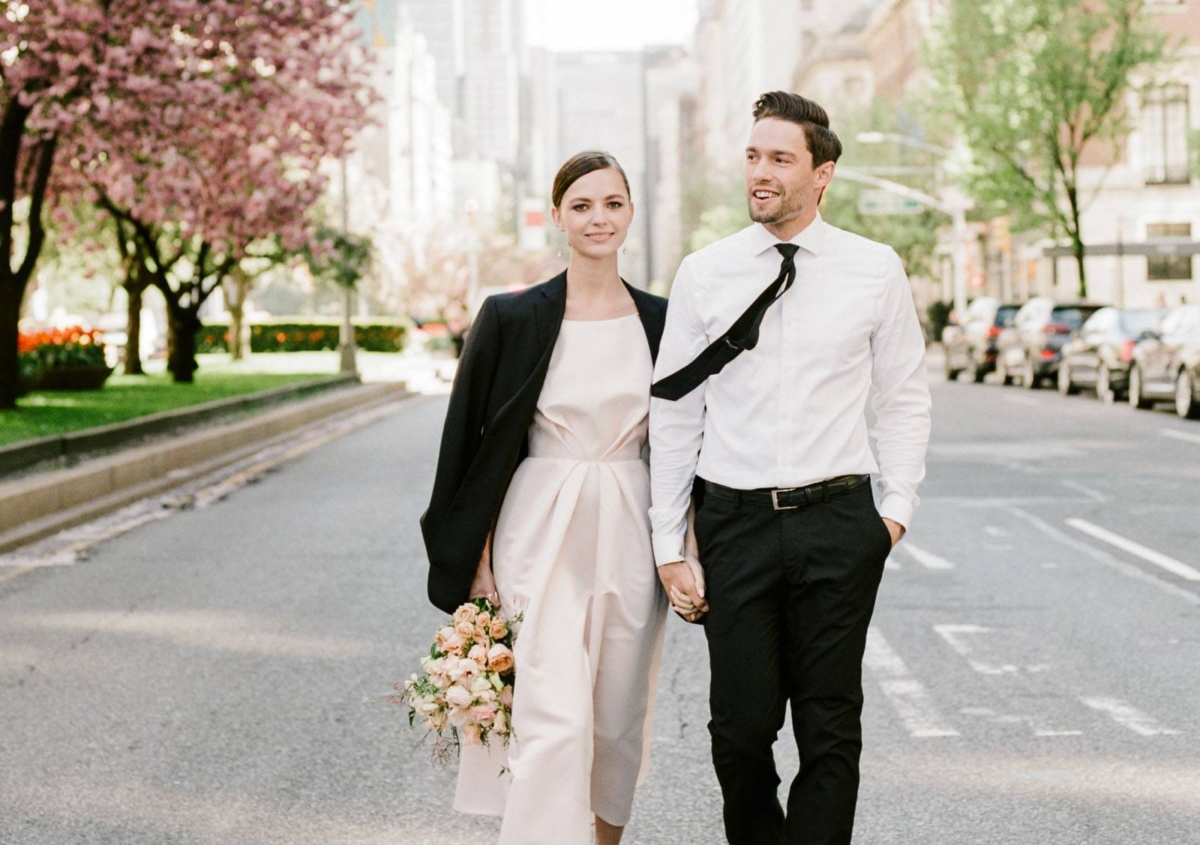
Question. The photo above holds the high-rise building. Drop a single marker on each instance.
(602, 105)
(489, 86)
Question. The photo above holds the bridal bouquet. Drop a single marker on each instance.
(464, 694)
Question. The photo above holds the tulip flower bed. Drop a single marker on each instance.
(308, 335)
(62, 359)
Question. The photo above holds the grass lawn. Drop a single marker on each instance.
(125, 397)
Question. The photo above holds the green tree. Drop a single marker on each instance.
(1033, 86)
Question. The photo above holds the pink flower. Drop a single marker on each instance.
(500, 659)
(483, 714)
(506, 696)
(478, 653)
(472, 734)
(466, 670)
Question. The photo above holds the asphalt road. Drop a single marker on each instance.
(215, 672)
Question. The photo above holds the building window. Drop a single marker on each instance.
(1169, 268)
(1164, 127)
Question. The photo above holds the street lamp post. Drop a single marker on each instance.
(952, 203)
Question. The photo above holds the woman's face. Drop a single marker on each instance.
(595, 213)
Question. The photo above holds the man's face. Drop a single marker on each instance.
(781, 182)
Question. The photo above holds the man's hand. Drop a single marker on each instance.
(895, 529)
(684, 582)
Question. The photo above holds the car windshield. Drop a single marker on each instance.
(1006, 315)
(1071, 317)
(1135, 322)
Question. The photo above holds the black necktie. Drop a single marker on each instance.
(742, 335)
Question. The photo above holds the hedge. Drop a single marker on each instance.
(307, 334)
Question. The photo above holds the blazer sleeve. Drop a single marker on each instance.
(462, 432)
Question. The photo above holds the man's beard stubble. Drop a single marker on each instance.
(791, 204)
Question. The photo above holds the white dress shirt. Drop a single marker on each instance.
(791, 411)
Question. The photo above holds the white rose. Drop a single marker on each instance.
(457, 696)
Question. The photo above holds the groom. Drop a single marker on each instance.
(774, 338)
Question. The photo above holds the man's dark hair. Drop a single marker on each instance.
(822, 141)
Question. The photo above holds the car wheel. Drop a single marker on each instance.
(1029, 376)
(1104, 390)
(1136, 399)
(1186, 406)
(1064, 381)
(1003, 374)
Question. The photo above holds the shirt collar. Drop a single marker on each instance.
(811, 239)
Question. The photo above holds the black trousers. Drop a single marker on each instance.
(790, 597)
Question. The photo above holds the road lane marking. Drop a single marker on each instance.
(890, 564)
(1102, 557)
(1181, 435)
(1094, 495)
(1128, 716)
(1176, 567)
(1027, 401)
(906, 694)
(994, 531)
(956, 637)
(927, 559)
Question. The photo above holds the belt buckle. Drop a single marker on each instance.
(775, 499)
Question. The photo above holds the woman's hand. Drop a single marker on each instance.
(484, 584)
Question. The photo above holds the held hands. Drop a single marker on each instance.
(895, 529)
(684, 583)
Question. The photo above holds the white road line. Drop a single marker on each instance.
(1048, 732)
(906, 693)
(1176, 567)
(994, 531)
(890, 563)
(927, 559)
(1128, 716)
(1103, 557)
(1027, 401)
(955, 636)
(1094, 495)
(1181, 435)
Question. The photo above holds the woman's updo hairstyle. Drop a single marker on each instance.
(580, 165)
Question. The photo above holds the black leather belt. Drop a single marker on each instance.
(790, 498)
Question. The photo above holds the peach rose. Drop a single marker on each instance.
(500, 659)
(466, 613)
(484, 619)
(478, 653)
(443, 636)
(466, 670)
(465, 628)
(483, 714)
(498, 629)
(472, 734)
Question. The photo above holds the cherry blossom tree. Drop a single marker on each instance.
(199, 126)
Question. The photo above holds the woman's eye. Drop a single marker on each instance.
(616, 204)
(580, 208)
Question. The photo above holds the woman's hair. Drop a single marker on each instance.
(580, 165)
(823, 143)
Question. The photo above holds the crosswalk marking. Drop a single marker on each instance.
(1176, 567)
(927, 559)
(955, 636)
(1127, 715)
(906, 694)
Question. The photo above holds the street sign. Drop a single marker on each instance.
(881, 202)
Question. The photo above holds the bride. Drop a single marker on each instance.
(540, 502)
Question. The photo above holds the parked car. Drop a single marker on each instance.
(973, 347)
(1166, 363)
(1029, 350)
(1099, 354)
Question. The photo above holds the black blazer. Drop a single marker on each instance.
(500, 377)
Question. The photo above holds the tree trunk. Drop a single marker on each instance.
(11, 293)
(133, 328)
(1077, 249)
(236, 293)
(182, 327)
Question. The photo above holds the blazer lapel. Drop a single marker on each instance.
(653, 318)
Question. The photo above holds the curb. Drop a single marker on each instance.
(35, 507)
(19, 456)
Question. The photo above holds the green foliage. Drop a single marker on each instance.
(308, 334)
(1033, 84)
(939, 317)
(339, 258)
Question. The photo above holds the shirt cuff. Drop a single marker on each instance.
(897, 508)
(667, 548)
